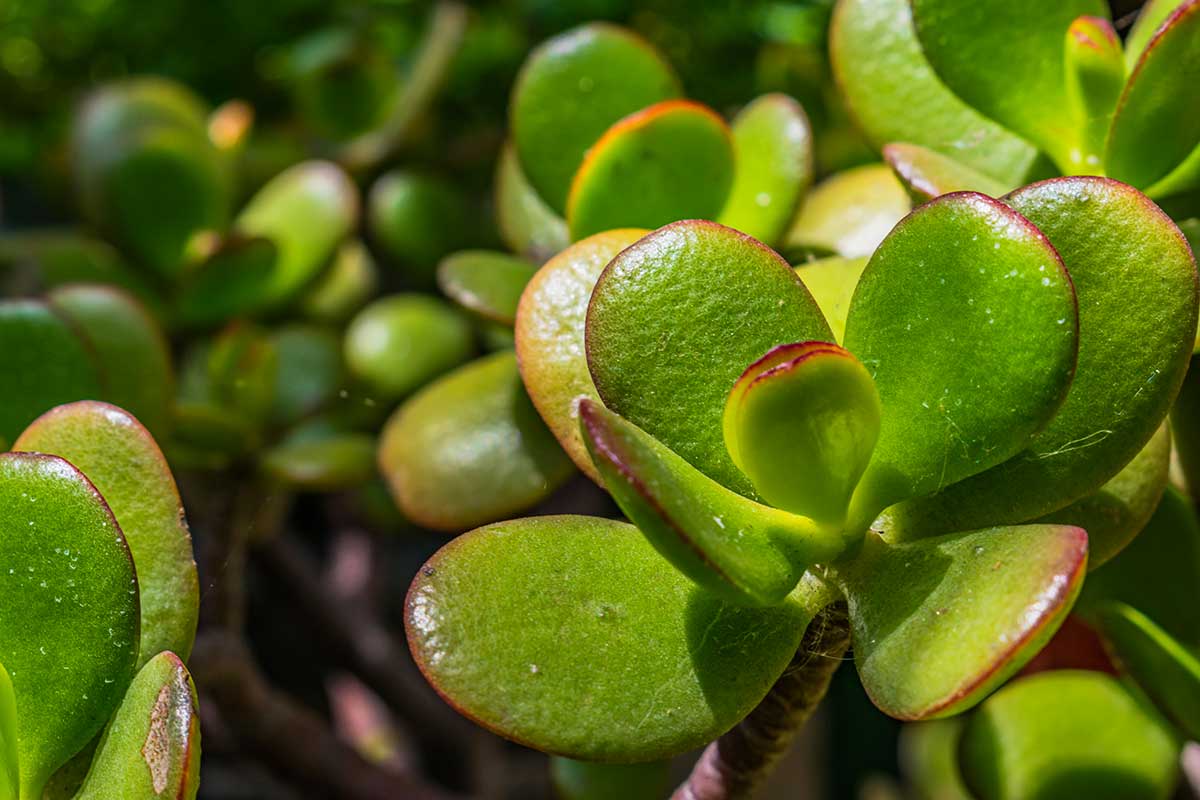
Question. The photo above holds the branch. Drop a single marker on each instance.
(732, 767)
(288, 737)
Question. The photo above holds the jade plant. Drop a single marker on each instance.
(95, 700)
(929, 467)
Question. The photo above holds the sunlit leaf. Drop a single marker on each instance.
(485, 282)
(847, 214)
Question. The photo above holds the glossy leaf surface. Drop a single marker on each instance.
(607, 653)
(306, 211)
(128, 346)
(832, 282)
(671, 161)
(470, 448)
(416, 220)
(1135, 281)
(485, 282)
(399, 343)
(731, 300)
(550, 335)
(939, 623)
(773, 166)
(895, 96)
(568, 93)
(151, 748)
(344, 287)
(1095, 74)
(527, 225)
(928, 174)
(743, 551)
(1156, 126)
(1068, 733)
(44, 361)
(848, 214)
(960, 393)
(964, 42)
(121, 459)
(73, 647)
(801, 423)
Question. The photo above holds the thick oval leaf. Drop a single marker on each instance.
(585, 780)
(1149, 19)
(128, 346)
(742, 551)
(773, 158)
(50, 258)
(730, 298)
(1135, 280)
(965, 391)
(1095, 73)
(1068, 733)
(485, 282)
(1120, 509)
(44, 362)
(832, 282)
(470, 449)
(1156, 126)
(570, 90)
(928, 754)
(1160, 665)
(964, 42)
(1158, 573)
(230, 280)
(344, 287)
(801, 423)
(121, 459)
(588, 644)
(416, 220)
(306, 211)
(151, 748)
(939, 623)
(895, 96)
(671, 161)
(70, 599)
(848, 214)
(399, 343)
(309, 370)
(550, 335)
(323, 464)
(927, 174)
(527, 225)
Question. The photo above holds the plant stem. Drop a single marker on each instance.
(732, 767)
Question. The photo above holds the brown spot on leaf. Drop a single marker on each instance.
(157, 750)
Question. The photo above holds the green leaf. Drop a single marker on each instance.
(588, 644)
(801, 423)
(1149, 19)
(1120, 509)
(128, 346)
(57, 257)
(1068, 733)
(1095, 74)
(470, 449)
(121, 459)
(964, 42)
(416, 220)
(1158, 572)
(730, 299)
(550, 335)
(928, 753)
(939, 623)
(1157, 663)
(309, 370)
(323, 464)
(234, 278)
(306, 211)
(1136, 286)
(965, 391)
(527, 225)
(773, 158)
(10, 776)
(584, 780)
(1155, 126)
(570, 90)
(399, 343)
(44, 363)
(832, 282)
(745, 552)
(485, 282)
(927, 174)
(344, 287)
(848, 214)
(151, 748)
(70, 600)
(671, 161)
(895, 96)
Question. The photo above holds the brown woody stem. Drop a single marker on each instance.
(732, 767)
